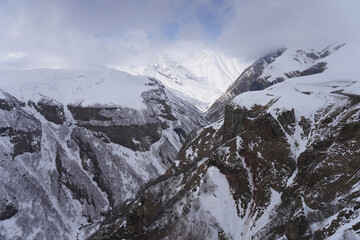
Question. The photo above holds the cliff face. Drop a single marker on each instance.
(64, 165)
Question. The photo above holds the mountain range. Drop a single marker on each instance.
(203, 149)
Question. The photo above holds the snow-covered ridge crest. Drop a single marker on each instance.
(297, 62)
(78, 87)
(275, 67)
(308, 92)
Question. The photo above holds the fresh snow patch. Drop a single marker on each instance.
(221, 204)
(177, 162)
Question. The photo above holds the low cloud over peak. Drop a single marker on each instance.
(102, 33)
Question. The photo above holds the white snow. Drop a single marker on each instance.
(258, 224)
(345, 230)
(218, 69)
(177, 162)
(85, 87)
(221, 205)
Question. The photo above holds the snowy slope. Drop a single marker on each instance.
(343, 69)
(216, 68)
(294, 63)
(200, 79)
(84, 87)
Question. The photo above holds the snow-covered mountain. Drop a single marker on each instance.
(201, 79)
(102, 154)
(273, 68)
(74, 144)
(283, 163)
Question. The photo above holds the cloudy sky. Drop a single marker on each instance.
(95, 33)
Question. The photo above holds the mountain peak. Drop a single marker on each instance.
(200, 79)
(217, 68)
(205, 56)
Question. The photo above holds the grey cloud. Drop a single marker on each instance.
(83, 33)
(68, 33)
(259, 26)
